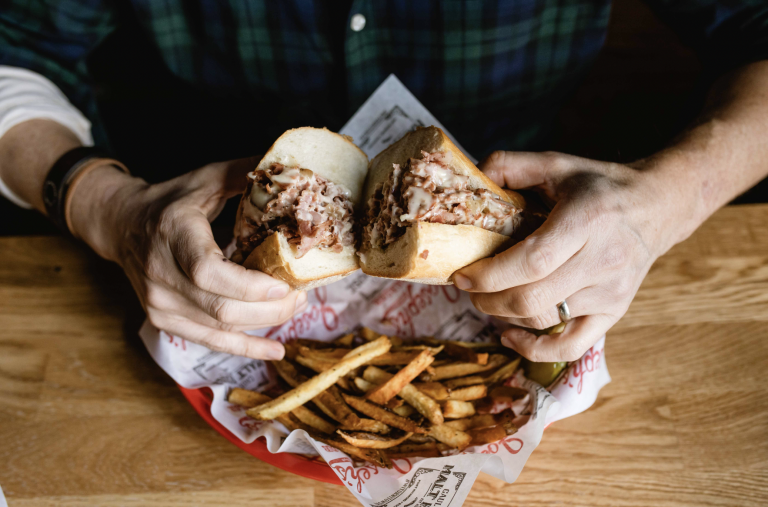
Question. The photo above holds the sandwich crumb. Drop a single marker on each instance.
(424, 254)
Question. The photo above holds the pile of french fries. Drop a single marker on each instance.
(386, 399)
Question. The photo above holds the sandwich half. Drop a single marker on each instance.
(296, 217)
(429, 211)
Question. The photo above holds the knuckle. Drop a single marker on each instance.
(538, 262)
(200, 272)
(539, 322)
(223, 310)
(614, 257)
(527, 302)
(156, 317)
(623, 288)
(497, 158)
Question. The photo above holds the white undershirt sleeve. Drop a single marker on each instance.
(26, 95)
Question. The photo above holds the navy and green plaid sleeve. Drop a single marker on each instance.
(726, 34)
(53, 39)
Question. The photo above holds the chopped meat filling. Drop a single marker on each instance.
(310, 211)
(427, 190)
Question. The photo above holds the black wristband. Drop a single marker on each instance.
(58, 181)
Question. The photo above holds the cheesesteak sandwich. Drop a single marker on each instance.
(296, 217)
(430, 211)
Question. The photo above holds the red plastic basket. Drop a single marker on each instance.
(200, 399)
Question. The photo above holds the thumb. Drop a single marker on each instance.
(525, 169)
(235, 173)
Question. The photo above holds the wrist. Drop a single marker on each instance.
(678, 205)
(103, 196)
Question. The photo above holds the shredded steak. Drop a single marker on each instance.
(427, 190)
(310, 211)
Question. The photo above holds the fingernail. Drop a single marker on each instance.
(462, 282)
(301, 301)
(277, 292)
(276, 352)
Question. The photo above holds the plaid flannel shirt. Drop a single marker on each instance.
(494, 72)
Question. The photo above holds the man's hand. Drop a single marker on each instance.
(594, 250)
(161, 236)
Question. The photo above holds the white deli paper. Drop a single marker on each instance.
(393, 308)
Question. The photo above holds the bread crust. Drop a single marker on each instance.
(275, 257)
(405, 258)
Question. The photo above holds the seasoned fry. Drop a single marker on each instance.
(468, 393)
(345, 341)
(464, 369)
(389, 389)
(368, 441)
(404, 410)
(477, 421)
(462, 354)
(464, 381)
(427, 446)
(320, 382)
(448, 410)
(431, 453)
(364, 385)
(324, 354)
(450, 436)
(434, 390)
(504, 372)
(368, 334)
(482, 436)
(425, 405)
(383, 415)
(315, 363)
(248, 399)
(453, 409)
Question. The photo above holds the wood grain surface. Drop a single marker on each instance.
(87, 418)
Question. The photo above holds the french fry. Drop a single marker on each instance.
(404, 410)
(417, 348)
(334, 355)
(504, 372)
(476, 421)
(502, 394)
(389, 389)
(431, 453)
(468, 393)
(450, 436)
(369, 441)
(425, 405)
(427, 446)
(363, 384)
(394, 403)
(329, 401)
(463, 381)
(434, 390)
(368, 334)
(453, 409)
(393, 359)
(482, 436)
(368, 425)
(383, 415)
(305, 392)
(464, 369)
(345, 341)
(249, 399)
(344, 383)
(462, 354)
(317, 364)
(417, 438)
(374, 456)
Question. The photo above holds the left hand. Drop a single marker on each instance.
(609, 224)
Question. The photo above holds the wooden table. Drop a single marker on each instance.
(86, 417)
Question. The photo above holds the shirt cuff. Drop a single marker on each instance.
(26, 95)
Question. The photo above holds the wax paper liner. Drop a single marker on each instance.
(393, 308)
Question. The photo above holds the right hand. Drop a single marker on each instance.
(161, 236)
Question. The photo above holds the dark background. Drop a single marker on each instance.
(644, 88)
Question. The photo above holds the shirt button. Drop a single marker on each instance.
(357, 22)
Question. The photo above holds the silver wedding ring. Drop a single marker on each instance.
(564, 311)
